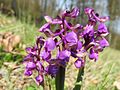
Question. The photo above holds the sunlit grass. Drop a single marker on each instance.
(102, 74)
(27, 31)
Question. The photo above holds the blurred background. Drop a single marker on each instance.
(19, 24)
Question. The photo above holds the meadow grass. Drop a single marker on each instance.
(102, 74)
(27, 31)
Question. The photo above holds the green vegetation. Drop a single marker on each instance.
(27, 33)
(26, 30)
(103, 73)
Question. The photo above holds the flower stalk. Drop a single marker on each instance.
(79, 79)
(60, 78)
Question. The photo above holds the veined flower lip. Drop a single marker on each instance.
(103, 43)
(49, 44)
(45, 55)
(71, 37)
(79, 63)
(88, 30)
(39, 79)
(64, 54)
(28, 72)
(30, 65)
(93, 54)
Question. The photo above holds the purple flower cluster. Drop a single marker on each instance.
(66, 41)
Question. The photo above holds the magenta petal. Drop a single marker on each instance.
(69, 25)
(39, 79)
(57, 21)
(73, 14)
(77, 26)
(103, 43)
(79, 45)
(64, 54)
(40, 40)
(89, 30)
(39, 66)
(53, 21)
(28, 72)
(103, 19)
(102, 29)
(45, 55)
(50, 44)
(93, 54)
(79, 63)
(31, 65)
(88, 10)
(28, 58)
(44, 27)
(31, 50)
(28, 49)
(60, 32)
(71, 37)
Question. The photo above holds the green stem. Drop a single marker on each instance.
(79, 79)
(59, 80)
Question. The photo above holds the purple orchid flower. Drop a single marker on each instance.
(28, 72)
(31, 50)
(68, 40)
(79, 63)
(103, 43)
(45, 55)
(88, 10)
(89, 30)
(71, 38)
(50, 44)
(64, 54)
(30, 65)
(93, 54)
(39, 79)
(102, 29)
(73, 13)
(52, 70)
(44, 27)
(79, 45)
(39, 66)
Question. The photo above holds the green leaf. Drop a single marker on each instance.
(31, 88)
